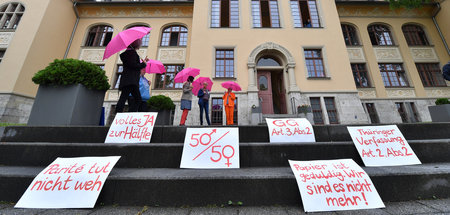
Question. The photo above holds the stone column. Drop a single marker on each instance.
(292, 82)
(251, 78)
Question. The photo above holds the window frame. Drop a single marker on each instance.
(168, 71)
(100, 39)
(146, 38)
(317, 111)
(298, 21)
(347, 29)
(313, 60)
(117, 75)
(402, 111)
(389, 76)
(260, 14)
(425, 70)
(331, 109)
(217, 114)
(414, 34)
(218, 23)
(371, 29)
(372, 112)
(180, 39)
(224, 60)
(15, 12)
(360, 71)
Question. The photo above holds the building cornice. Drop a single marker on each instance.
(137, 3)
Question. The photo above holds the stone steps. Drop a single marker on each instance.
(252, 186)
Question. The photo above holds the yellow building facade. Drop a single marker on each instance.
(348, 62)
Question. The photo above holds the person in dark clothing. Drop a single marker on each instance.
(446, 71)
(129, 81)
(203, 103)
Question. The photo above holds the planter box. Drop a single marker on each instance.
(66, 105)
(440, 113)
(163, 117)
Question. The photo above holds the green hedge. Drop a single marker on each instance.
(160, 102)
(72, 71)
(442, 101)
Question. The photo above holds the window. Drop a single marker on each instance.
(393, 75)
(224, 63)
(372, 113)
(317, 110)
(2, 53)
(174, 36)
(10, 15)
(350, 36)
(314, 63)
(146, 38)
(217, 111)
(265, 14)
(414, 112)
(99, 35)
(380, 35)
(414, 35)
(225, 13)
(305, 14)
(360, 74)
(268, 61)
(331, 110)
(165, 81)
(430, 74)
(119, 71)
(401, 110)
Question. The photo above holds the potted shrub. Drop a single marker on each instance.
(164, 106)
(440, 112)
(71, 92)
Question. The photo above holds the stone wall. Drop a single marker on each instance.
(15, 108)
(387, 111)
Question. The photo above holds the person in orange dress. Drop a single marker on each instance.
(228, 102)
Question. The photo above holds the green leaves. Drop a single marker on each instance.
(72, 71)
(408, 4)
(160, 102)
(442, 101)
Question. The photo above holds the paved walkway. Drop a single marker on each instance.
(440, 206)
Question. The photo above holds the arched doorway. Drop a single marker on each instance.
(271, 78)
(270, 84)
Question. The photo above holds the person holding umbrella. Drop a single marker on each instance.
(186, 99)
(129, 81)
(228, 101)
(203, 102)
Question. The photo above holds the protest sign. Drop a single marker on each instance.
(211, 148)
(131, 128)
(68, 183)
(334, 185)
(382, 146)
(290, 130)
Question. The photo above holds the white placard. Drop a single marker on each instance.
(290, 130)
(382, 146)
(211, 148)
(131, 128)
(334, 185)
(68, 183)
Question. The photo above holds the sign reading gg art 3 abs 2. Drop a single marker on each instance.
(382, 146)
(334, 185)
(290, 130)
(68, 183)
(211, 148)
(131, 128)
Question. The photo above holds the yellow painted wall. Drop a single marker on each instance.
(246, 39)
(443, 18)
(42, 36)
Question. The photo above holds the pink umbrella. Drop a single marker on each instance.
(184, 74)
(122, 40)
(231, 84)
(198, 84)
(154, 66)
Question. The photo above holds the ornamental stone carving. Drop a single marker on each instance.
(102, 12)
(92, 55)
(400, 93)
(371, 11)
(388, 54)
(356, 55)
(141, 52)
(424, 54)
(367, 94)
(438, 92)
(270, 46)
(113, 95)
(172, 55)
(5, 39)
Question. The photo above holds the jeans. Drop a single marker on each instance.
(204, 105)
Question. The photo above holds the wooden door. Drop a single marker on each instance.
(265, 91)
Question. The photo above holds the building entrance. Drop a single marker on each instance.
(271, 92)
